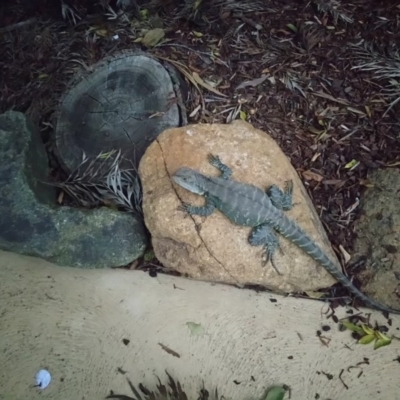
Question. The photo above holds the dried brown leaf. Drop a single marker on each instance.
(153, 37)
(253, 82)
(329, 97)
(313, 294)
(312, 176)
(205, 85)
(345, 254)
(60, 197)
(336, 182)
(366, 183)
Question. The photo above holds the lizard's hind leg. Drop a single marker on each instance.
(264, 235)
(281, 199)
(215, 161)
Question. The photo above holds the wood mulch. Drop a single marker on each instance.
(289, 69)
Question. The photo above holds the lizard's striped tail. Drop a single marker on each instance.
(290, 230)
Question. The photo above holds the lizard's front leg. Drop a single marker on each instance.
(204, 211)
(283, 200)
(215, 161)
(264, 235)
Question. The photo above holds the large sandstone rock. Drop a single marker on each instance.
(213, 249)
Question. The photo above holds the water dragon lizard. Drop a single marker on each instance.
(247, 205)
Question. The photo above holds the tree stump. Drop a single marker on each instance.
(123, 103)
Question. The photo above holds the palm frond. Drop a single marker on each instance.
(333, 7)
(384, 63)
(69, 13)
(292, 83)
(101, 180)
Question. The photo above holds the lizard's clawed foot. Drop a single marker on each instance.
(267, 256)
(280, 249)
(212, 159)
(185, 207)
(288, 203)
(281, 199)
(216, 162)
(289, 186)
(275, 267)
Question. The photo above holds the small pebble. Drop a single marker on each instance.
(43, 379)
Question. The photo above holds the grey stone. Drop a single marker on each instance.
(378, 236)
(31, 222)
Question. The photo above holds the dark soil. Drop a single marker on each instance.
(330, 118)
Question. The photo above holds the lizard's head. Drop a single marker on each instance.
(188, 179)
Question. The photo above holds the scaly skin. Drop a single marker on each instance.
(247, 205)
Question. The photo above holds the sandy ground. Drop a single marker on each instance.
(85, 326)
